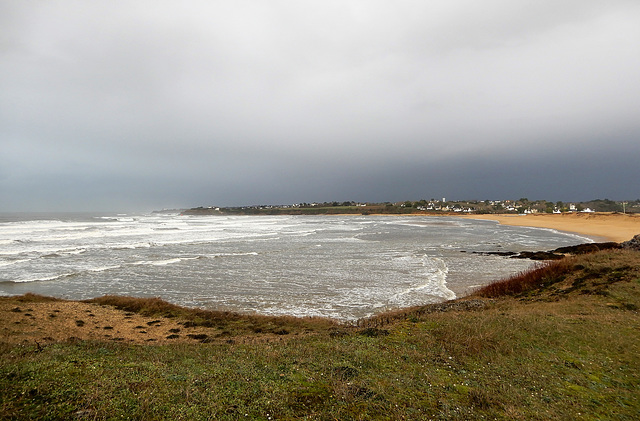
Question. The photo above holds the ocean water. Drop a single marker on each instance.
(344, 267)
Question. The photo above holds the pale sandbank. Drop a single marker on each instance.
(598, 226)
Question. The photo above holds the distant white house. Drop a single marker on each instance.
(587, 210)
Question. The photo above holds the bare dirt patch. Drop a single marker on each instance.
(31, 320)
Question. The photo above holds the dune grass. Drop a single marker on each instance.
(565, 345)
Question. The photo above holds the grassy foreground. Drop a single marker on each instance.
(560, 342)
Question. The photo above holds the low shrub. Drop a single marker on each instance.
(536, 277)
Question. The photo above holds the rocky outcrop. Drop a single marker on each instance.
(587, 248)
(633, 244)
(538, 255)
(561, 252)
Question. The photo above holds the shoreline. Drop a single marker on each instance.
(598, 226)
(39, 320)
(54, 320)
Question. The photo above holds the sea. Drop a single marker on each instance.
(341, 267)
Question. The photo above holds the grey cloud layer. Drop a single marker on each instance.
(237, 102)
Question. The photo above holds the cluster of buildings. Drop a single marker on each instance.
(521, 206)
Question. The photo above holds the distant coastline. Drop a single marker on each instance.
(599, 226)
(422, 207)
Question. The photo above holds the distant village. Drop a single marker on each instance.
(520, 206)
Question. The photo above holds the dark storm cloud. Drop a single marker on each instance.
(124, 104)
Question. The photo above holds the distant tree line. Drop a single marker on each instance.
(522, 205)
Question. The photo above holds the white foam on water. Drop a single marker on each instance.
(104, 268)
(582, 238)
(343, 240)
(324, 266)
(249, 253)
(13, 262)
(74, 251)
(133, 246)
(43, 278)
(157, 262)
(436, 285)
(164, 262)
(44, 251)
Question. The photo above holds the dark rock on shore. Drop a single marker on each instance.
(633, 244)
(587, 248)
(498, 253)
(533, 255)
(538, 255)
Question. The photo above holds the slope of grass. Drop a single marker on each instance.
(565, 347)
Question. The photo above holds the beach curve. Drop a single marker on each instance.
(599, 226)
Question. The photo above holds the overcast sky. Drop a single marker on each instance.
(123, 105)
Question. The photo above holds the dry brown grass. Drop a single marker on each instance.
(35, 298)
(593, 273)
(538, 276)
(233, 323)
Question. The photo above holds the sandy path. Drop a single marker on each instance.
(599, 226)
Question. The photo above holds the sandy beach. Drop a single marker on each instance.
(599, 226)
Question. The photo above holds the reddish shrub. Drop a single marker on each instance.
(539, 275)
